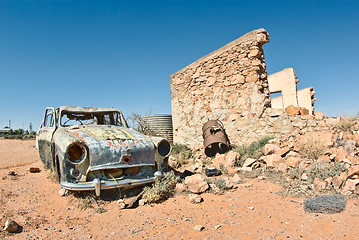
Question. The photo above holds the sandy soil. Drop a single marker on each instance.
(252, 211)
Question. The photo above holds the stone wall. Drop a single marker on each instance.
(229, 84)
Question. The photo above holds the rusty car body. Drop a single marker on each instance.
(94, 149)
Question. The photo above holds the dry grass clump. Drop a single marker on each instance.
(252, 150)
(324, 170)
(346, 124)
(312, 148)
(162, 189)
(182, 152)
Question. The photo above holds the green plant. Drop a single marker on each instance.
(221, 184)
(312, 148)
(324, 170)
(223, 168)
(162, 189)
(181, 151)
(296, 172)
(252, 150)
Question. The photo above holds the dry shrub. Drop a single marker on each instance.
(346, 124)
(162, 189)
(324, 170)
(312, 148)
(182, 152)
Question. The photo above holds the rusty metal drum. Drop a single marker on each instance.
(215, 138)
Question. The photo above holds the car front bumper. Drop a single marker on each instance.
(98, 184)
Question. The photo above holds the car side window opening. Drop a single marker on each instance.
(49, 118)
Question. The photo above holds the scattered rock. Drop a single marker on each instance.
(292, 110)
(198, 228)
(121, 204)
(194, 198)
(180, 187)
(34, 169)
(249, 162)
(251, 208)
(232, 170)
(232, 158)
(219, 160)
(11, 173)
(283, 151)
(141, 202)
(319, 116)
(293, 161)
(215, 189)
(337, 181)
(196, 183)
(349, 186)
(319, 184)
(11, 226)
(325, 204)
(272, 160)
(270, 148)
(63, 192)
(235, 179)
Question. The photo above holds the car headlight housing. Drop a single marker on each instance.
(76, 152)
(164, 148)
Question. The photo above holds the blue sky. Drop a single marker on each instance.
(122, 53)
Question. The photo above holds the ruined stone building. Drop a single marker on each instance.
(285, 82)
(231, 84)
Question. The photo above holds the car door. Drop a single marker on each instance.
(44, 137)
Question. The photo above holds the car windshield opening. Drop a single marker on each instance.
(69, 118)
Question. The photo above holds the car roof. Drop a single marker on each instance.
(87, 109)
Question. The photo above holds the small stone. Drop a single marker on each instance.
(196, 183)
(292, 110)
(319, 184)
(34, 169)
(232, 158)
(63, 192)
(11, 173)
(194, 198)
(141, 202)
(249, 162)
(270, 148)
(180, 187)
(293, 161)
(11, 226)
(218, 226)
(214, 188)
(319, 116)
(198, 228)
(251, 208)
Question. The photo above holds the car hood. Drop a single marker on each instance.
(115, 147)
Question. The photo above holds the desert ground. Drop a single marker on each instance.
(253, 210)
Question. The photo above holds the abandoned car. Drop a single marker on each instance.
(94, 149)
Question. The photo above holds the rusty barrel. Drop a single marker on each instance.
(215, 138)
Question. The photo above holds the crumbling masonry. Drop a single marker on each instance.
(230, 84)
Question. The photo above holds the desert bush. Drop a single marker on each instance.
(181, 151)
(221, 184)
(312, 148)
(162, 189)
(324, 170)
(296, 172)
(252, 150)
(346, 124)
